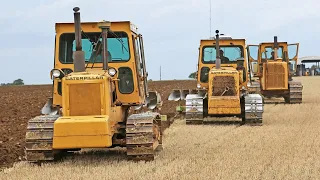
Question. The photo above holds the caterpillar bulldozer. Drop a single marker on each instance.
(99, 84)
(221, 90)
(272, 66)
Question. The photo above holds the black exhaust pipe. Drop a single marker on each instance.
(79, 56)
(275, 46)
(218, 60)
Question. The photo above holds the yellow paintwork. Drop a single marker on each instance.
(89, 115)
(105, 100)
(82, 132)
(95, 130)
(124, 26)
(241, 80)
(222, 42)
(224, 105)
(268, 80)
(271, 78)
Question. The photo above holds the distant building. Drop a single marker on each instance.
(313, 67)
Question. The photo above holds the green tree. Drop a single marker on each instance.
(18, 82)
(193, 75)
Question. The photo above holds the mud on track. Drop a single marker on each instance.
(20, 103)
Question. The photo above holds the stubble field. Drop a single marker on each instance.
(287, 146)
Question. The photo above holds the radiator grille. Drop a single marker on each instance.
(275, 76)
(224, 86)
(85, 99)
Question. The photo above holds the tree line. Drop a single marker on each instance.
(193, 75)
(14, 83)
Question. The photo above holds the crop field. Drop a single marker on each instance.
(287, 146)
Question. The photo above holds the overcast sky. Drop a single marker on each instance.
(172, 30)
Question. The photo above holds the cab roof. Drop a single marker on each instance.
(93, 25)
(264, 43)
(208, 40)
(95, 22)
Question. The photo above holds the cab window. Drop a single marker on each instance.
(204, 74)
(228, 54)
(267, 53)
(125, 77)
(118, 47)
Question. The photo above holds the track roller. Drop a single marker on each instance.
(252, 109)
(39, 137)
(143, 136)
(194, 109)
(295, 94)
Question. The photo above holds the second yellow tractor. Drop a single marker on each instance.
(222, 78)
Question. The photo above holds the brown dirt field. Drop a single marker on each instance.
(165, 87)
(20, 103)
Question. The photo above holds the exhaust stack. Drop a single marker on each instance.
(104, 26)
(218, 60)
(79, 58)
(275, 46)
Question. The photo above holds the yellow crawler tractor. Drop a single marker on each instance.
(99, 75)
(222, 78)
(273, 64)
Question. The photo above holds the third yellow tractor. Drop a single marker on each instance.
(272, 66)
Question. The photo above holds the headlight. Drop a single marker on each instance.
(198, 86)
(56, 73)
(112, 71)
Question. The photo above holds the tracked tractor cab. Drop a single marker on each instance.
(221, 84)
(232, 56)
(99, 75)
(274, 65)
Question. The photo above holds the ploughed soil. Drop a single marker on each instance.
(18, 104)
